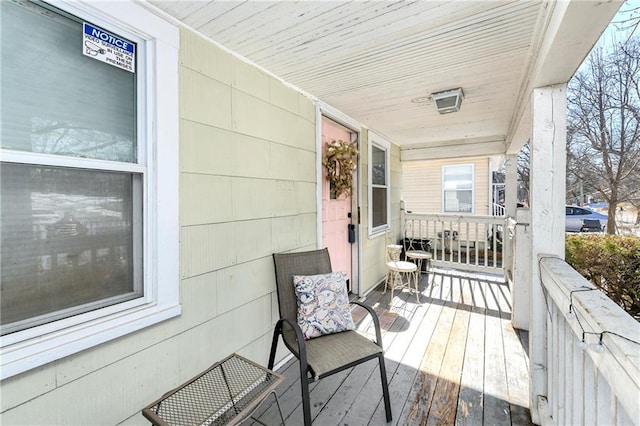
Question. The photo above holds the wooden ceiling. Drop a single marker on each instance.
(371, 59)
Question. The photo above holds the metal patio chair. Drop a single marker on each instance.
(321, 356)
(399, 270)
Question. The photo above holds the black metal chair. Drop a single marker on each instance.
(321, 356)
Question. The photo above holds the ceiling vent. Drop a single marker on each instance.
(448, 101)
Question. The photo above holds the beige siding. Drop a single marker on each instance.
(422, 184)
(247, 189)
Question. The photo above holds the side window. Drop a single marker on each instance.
(77, 178)
(457, 188)
(379, 184)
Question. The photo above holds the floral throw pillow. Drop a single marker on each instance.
(323, 304)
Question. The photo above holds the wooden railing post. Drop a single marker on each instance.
(521, 289)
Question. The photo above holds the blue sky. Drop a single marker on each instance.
(630, 10)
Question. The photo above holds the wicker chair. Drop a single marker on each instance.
(321, 356)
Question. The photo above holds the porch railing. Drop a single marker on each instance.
(593, 354)
(498, 209)
(473, 243)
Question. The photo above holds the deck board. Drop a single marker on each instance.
(445, 398)
(424, 385)
(470, 399)
(408, 362)
(364, 380)
(496, 404)
(453, 358)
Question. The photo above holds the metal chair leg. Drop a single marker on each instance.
(306, 403)
(385, 388)
(274, 346)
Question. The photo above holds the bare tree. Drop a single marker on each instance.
(603, 135)
(524, 172)
(628, 19)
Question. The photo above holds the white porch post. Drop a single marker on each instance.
(510, 206)
(515, 249)
(547, 197)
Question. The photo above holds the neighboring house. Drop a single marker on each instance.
(461, 185)
(176, 168)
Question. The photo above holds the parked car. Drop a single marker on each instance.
(575, 219)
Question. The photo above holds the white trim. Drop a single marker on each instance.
(381, 143)
(339, 117)
(358, 212)
(28, 349)
(283, 362)
(27, 355)
(473, 187)
(318, 176)
(33, 158)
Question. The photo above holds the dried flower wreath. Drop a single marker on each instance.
(340, 160)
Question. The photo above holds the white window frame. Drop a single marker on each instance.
(158, 113)
(383, 144)
(473, 187)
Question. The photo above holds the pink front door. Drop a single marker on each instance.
(335, 212)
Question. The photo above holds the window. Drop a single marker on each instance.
(457, 188)
(577, 211)
(379, 187)
(81, 138)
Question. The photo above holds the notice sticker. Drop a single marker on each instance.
(108, 48)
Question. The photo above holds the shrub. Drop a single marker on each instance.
(611, 262)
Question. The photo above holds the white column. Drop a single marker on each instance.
(516, 256)
(521, 292)
(510, 206)
(547, 199)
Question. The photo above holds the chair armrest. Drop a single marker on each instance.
(374, 318)
(302, 345)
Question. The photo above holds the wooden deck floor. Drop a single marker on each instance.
(453, 358)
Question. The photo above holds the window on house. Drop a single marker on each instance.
(457, 188)
(379, 188)
(76, 182)
(86, 253)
